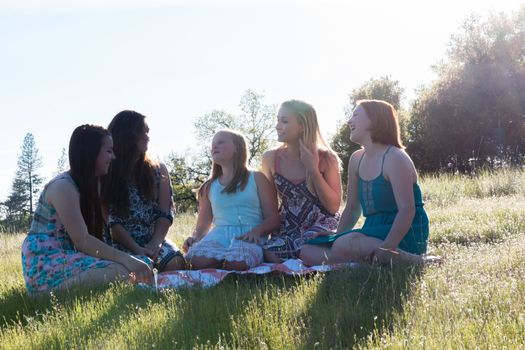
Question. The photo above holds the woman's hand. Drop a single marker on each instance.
(188, 242)
(139, 271)
(153, 248)
(250, 237)
(309, 158)
(319, 234)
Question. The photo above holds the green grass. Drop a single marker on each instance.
(475, 299)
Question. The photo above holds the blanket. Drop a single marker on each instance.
(210, 277)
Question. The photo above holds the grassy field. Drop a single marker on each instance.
(475, 299)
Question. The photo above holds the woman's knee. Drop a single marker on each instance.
(235, 265)
(349, 247)
(201, 262)
(176, 263)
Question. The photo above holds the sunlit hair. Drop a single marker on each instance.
(130, 166)
(240, 165)
(384, 124)
(84, 148)
(307, 118)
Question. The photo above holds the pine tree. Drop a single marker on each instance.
(26, 184)
(61, 165)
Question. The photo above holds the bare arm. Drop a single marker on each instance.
(328, 184)
(66, 200)
(267, 165)
(400, 171)
(268, 200)
(165, 205)
(120, 235)
(352, 210)
(204, 220)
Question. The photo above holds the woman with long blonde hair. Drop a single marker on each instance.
(306, 174)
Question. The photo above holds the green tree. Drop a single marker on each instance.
(474, 112)
(383, 88)
(62, 162)
(25, 187)
(187, 175)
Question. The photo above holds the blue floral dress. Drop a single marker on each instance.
(49, 257)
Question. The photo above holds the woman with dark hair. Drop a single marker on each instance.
(382, 183)
(64, 246)
(137, 195)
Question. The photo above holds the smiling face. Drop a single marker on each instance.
(359, 125)
(288, 127)
(222, 148)
(105, 156)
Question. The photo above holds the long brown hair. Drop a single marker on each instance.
(384, 124)
(240, 165)
(130, 166)
(307, 118)
(84, 147)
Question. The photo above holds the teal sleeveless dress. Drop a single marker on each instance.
(379, 209)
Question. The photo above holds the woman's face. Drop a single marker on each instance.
(359, 123)
(222, 148)
(143, 140)
(105, 156)
(288, 127)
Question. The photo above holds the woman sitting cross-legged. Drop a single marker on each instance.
(137, 195)
(382, 182)
(64, 245)
(242, 206)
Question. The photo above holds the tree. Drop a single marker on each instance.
(26, 185)
(61, 164)
(256, 122)
(474, 112)
(383, 88)
(187, 175)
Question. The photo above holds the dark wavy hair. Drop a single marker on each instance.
(130, 165)
(84, 147)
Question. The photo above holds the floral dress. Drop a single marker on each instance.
(302, 215)
(49, 257)
(140, 224)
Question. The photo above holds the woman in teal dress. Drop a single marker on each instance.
(382, 184)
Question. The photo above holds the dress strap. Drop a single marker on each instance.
(383, 161)
(359, 164)
(276, 161)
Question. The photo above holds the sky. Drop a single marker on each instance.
(67, 63)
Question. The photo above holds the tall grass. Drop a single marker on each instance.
(475, 299)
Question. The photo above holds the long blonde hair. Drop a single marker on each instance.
(240, 166)
(307, 118)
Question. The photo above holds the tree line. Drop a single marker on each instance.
(472, 115)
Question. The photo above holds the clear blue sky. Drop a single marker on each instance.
(65, 63)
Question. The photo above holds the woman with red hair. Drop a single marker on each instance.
(382, 184)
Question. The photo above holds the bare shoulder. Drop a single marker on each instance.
(268, 161)
(398, 161)
(354, 159)
(163, 169)
(398, 155)
(59, 189)
(268, 156)
(260, 178)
